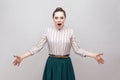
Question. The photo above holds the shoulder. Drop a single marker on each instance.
(49, 29)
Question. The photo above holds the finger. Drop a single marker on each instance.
(18, 64)
(15, 62)
(16, 56)
(101, 61)
(100, 54)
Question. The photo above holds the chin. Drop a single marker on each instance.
(59, 27)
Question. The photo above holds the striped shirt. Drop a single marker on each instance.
(59, 42)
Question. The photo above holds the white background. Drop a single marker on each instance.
(95, 22)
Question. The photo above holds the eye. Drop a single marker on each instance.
(56, 17)
(62, 17)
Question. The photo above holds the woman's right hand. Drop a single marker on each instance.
(17, 61)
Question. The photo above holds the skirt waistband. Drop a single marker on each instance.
(59, 56)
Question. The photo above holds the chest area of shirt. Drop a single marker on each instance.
(59, 36)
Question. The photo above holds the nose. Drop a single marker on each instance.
(59, 20)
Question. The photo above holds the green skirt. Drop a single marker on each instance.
(58, 69)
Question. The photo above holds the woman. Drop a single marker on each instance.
(60, 39)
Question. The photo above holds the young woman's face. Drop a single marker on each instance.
(59, 19)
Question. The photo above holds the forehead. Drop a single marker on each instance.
(59, 13)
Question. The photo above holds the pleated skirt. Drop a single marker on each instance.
(58, 69)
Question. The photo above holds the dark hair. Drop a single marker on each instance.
(57, 10)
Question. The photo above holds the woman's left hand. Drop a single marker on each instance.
(98, 58)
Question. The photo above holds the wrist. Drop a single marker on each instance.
(22, 57)
(88, 54)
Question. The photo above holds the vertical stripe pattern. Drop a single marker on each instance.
(59, 42)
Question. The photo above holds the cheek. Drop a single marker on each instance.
(63, 21)
(54, 21)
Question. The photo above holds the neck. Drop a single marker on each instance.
(59, 28)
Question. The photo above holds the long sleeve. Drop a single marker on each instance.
(39, 45)
(76, 47)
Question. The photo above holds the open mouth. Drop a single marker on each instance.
(59, 24)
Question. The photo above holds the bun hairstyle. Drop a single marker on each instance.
(57, 10)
